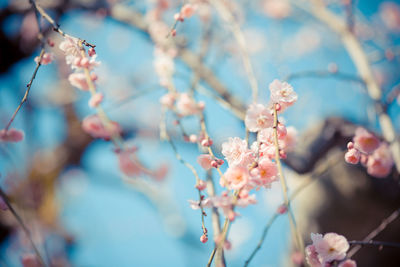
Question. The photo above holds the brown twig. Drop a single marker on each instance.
(23, 226)
(376, 231)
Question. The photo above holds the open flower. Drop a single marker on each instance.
(258, 117)
(282, 93)
(236, 177)
(236, 152)
(330, 247)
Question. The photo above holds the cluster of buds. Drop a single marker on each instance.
(371, 152)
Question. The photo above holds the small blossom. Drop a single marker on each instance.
(71, 49)
(205, 203)
(11, 135)
(236, 152)
(47, 58)
(30, 260)
(128, 163)
(282, 209)
(205, 161)
(365, 141)
(258, 117)
(282, 93)
(277, 9)
(312, 257)
(330, 247)
(95, 100)
(380, 163)
(94, 126)
(236, 177)
(201, 185)
(187, 11)
(79, 80)
(390, 14)
(168, 100)
(352, 156)
(203, 238)
(186, 105)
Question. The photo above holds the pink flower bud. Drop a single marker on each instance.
(352, 156)
(193, 138)
(95, 100)
(282, 209)
(214, 164)
(201, 185)
(91, 52)
(12, 135)
(203, 238)
(350, 145)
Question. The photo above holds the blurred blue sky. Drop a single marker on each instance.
(115, 225)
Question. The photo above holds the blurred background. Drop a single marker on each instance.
(70, 192)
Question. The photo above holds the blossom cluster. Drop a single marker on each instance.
(252, 167)
(371, 152)
(328, 250)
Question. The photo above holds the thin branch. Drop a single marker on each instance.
(292, 220)
(376, 231)
(23, 226)
(55, 26)
(324, 74)
(293, 195)
(241, 40)
(28, 88)
(375, 243)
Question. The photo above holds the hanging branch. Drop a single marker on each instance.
(23, 226)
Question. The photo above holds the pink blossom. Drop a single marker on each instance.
(312, 257)
(128, 163)
(186, 105)
(365, 141)
(277, 9)
(282, 93)
(266, 171)
(290, 139)
(390, 14)
(47, 58)
(201, 185)
(187, 11)
(258, 117)
(203, 238)
(297, 258)
(205, 161)
(282, 209)
(71, 49)
(79, 81)
(11, 135)
(95, 100)
(380, 163)
(352, 156)
(236, 152)
(30, 260)
(205, 203)
(348, 263)
(168, 100)
(94, 126)
(236, 177)
(245, 201)
(161, 172)
(330, 247)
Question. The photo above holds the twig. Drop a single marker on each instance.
(292, 220)
(323, 74)
(375, 243)
(55, 26)
(241, 40)
(376, 231)
(293, 195)
(28, 88)
(23, 226)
